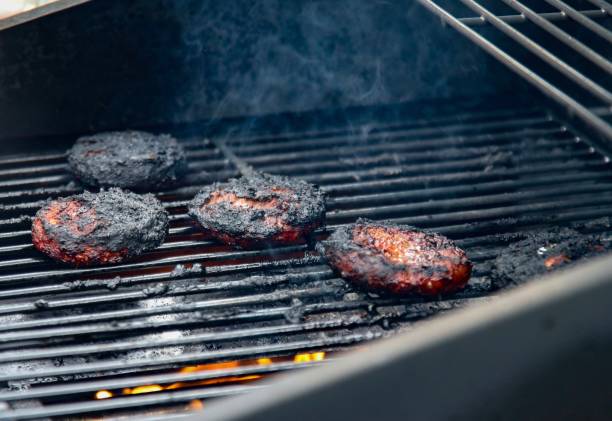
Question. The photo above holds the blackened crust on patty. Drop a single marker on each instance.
(545, 251)
(397, 259)
(259, 209)
(99, 228)
(130, 159)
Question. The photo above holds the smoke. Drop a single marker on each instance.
(270, 56)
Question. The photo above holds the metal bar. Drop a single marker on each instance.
(452, 178)
(473, 116)
(208, 337)
(414, 149)
(194, 358)
(195, 177)
(124, 403)
(414, 308)
(583, 20)
(205, 257)
(558, 136)
(427, 220)
(561, 35)
(472, 158)
(603, 5)
(545, 87)
(431, 207)
(116, 282)
(462, 174)
(21, 160)
(194, 306)
(479, 188)
(551, 59)
(475, 200)
(494, 213)
(307, 167)
(550, 16)
(472, 190)
(404, 134)
(63, 389)
(507, 337)
(306, 164)
(126, 296)
(167, 261)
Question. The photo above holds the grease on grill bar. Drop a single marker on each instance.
(482, 178)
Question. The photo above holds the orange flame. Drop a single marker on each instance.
(151, 388)
(104, 394)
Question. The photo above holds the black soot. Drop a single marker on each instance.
(260, 208)
(130, 159)
(399, 259)
(545, 251)
(99, 228)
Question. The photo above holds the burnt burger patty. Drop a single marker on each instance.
(130, 159)
(99, 228)
(262, 208)
(399, 259)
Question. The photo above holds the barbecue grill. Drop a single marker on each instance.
(481, 157)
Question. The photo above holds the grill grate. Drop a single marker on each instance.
(558, 46)
(67, 333)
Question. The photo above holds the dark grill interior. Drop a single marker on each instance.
(66, 334)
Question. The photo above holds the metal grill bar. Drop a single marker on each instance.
(470, 118)
(561, 35)
(588, 84)
(196, 358)
(603, 5)
(412, 306)
(120, 383)
(480, 175)
(548, 89)
(583, 20)
(130, 402)
(550, 16)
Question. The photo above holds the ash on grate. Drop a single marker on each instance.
(544, 251)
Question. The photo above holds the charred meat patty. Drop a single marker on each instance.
(398, 259)
(261, 208)
(544, 251)
(99, 228)
(130, 159)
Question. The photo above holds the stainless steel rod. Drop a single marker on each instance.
(544, 86)
(603, 5)
(561, 35)
(551, 59)
(583, 20)
(551, 16)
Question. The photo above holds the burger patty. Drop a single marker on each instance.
(262, 208)
(398, 259)
(130, 159)
(99, 228)
(543, 251)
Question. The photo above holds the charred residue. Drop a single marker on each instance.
(260, 208)
(99, 228)
(129, 159)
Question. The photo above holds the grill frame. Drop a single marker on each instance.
(476, 236)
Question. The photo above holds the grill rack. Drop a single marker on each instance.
(596, 55)
(468, 187)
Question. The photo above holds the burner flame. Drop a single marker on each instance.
(104, 394)
(152, 388)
